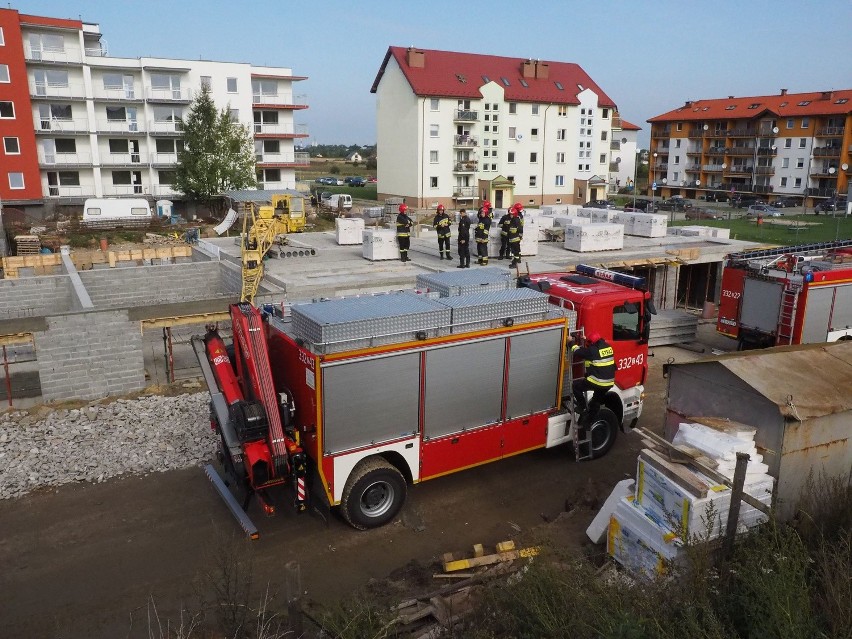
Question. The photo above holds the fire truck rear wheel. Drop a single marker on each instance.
(604, 430)
(374, 494)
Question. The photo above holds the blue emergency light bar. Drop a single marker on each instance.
(611, 276)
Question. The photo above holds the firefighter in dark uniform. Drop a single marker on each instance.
(480, 234)
(515, 232)
(464, 240)
(442, 225)
(600, 375)
(403, 232)
(504, 235)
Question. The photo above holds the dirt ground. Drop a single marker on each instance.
(89, 560)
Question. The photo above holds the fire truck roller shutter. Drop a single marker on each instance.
(370, 400)
(533, 370)
(464, 386)
(818, 315)
(760, 305)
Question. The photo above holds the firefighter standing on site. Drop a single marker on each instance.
(442, 225)
(403, 232)
(515, 232)
(504, 235)
(600, 375)
(464, 240)
(483, 226)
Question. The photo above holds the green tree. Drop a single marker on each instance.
(218, 153)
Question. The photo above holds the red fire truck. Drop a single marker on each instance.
(348, 401)
(787, 295)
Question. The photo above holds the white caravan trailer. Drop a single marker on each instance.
(110, 212)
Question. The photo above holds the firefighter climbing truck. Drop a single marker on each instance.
(345, 402)
(788, 295)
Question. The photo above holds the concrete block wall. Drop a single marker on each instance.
(35, 296)
(90, 355)
(149, 285)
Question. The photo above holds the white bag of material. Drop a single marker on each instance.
(711, 442)
(597, 529)
(638, 542)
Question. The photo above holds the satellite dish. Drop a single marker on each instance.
(775, 129)
(832, 170)
(697, 182)
(520, 136)
(724, 165)
(618, 160)
(706, 126)
(844, 166)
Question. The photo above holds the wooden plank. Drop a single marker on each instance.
(676, 472)
(505, 546)
(16, 338)
(183, 320)
(478, 550)
(455, 575)
(463, 564)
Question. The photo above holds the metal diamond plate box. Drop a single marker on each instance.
(491, 309)
(466, 281)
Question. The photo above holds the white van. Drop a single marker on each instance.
(113, 211)
(339, 202)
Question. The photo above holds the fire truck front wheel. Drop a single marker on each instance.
(604, 430)
(374, 494)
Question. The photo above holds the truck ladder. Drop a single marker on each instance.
(818, 247)
(787, 312)
(577, 440)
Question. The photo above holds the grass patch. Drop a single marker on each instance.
(796, 229)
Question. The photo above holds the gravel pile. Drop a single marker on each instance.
(97, 442)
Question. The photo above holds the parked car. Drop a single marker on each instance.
(787, 202)
(599, 204)
(357, 181)
(702, 214)
(763, 210)
(333, 181)
(675, 203)
(838, 204)
(371, 179)
(744, 201)
(644, 205)
(715, 196)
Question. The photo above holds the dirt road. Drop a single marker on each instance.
(85, 560)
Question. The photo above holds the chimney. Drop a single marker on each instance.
(541, 70)
(827, 95)
(730, 97)
(688, 103)
(416, 59)
(528, 69)
(783, 91)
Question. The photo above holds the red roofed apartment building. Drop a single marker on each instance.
(76, 123)
(459, 128)
(790, 144)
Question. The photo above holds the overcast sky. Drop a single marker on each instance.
(649, 56)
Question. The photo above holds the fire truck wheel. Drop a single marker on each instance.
(374, 493)
(604, 430)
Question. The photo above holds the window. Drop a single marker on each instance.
(268, 88)
(790, 123)
(533, 158)
(272, 147)
(166, 145)
(7, 110)
(579, 167)
(675, 176)
(433, 182)
(535, 109)
(605, 114)
(800, 163)
(231, 84)
(167, 84)
(561, 134)
(805, 123)
(234, 114)
(560, 180)
(587, 168)
(119, 146)
(433, 157)
(603, 135)
(433, 104)
(513, 133)
(206, 82)
(495, 107)
(165, 114)
(65, 145)
(433, 130)
(166, 176)
(511, 157)
(803, 142)
(493, 130)
(4, 73)
(513, 107)
(788, 143)
(563, 110)
(798, 183)
(677, 143)
(602, 158)
(534, 134)
(2, 38)
(69, 178)
(16, 181)
(560, 158)
(625, 325)
(783, 181)
(785, 163)
(679, 127)
(11, 146)
(677, 159)
(532, 180)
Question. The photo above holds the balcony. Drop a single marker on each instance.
(716, 150)
(697, 132)
(693, 151)
(763, 188)
(613, 167)
(66, 55)
(70, 91)
(282, 101)
(465, 140)
(822, 192)
(616, 122)
(692, 168)
(465, 115)
(169, 95)
(467, 166)
(824, 172)
(827, 152)
(464, 192)
(97, 50)
(54, 125)
(283, 160)
(746, 151)
(126, 189)
(164, 189)
(830, 132)
(164, 159)
(765, 170)
(124, 159)
(61, 160)
(280, 130)
(615, 145)
(713, 168)
(165, 127)
(117, 94)
(716, 133)
(125, 127)
(766, 150)
(70, 191)
(742, 132)
(661, 166)
(739, 169)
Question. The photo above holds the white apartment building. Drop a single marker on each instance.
(458, 128)
(79, 123)
(622, 161)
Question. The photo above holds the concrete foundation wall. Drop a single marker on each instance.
(90, 355)
(149, 285)
(35, 296)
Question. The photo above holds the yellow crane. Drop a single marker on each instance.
(264, 226)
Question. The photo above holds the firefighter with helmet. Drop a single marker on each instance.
(403, 232)
(480, 234)
(504, 235)
(442, 225)
(600, 375)
(464, 240)
(515, 232)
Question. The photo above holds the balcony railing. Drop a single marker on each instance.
(716, 150)
(465, 115)
(287, 99)
(54, 125)
(163, 189)
(464, 192)
(711, 167)
(716, 133)
(163, 94)
(468, 166)
(283, 128)
(126, 189)
(117, 94)
(765, 170)
(739, 169)
(69, 55)
(825, 172)
(693, 151)
(742, 132)
(124, 159)
(70, 191)
(661, 166)
(697, 132)
(64, 159)
(164, 159)
(763, 188)
(693, 168)
(827, 152)
(830, 132)
(822, 192)
(167, 127)
(49, 90)
(290, 159)
(766, 150)
(615, 145)
(120, 126)
(97, 50)
(465, 140)
(741, 150)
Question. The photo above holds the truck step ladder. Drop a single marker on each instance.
(578, 440)
(787, 313)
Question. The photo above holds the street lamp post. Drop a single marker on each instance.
(636, 176)
(653, 177)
